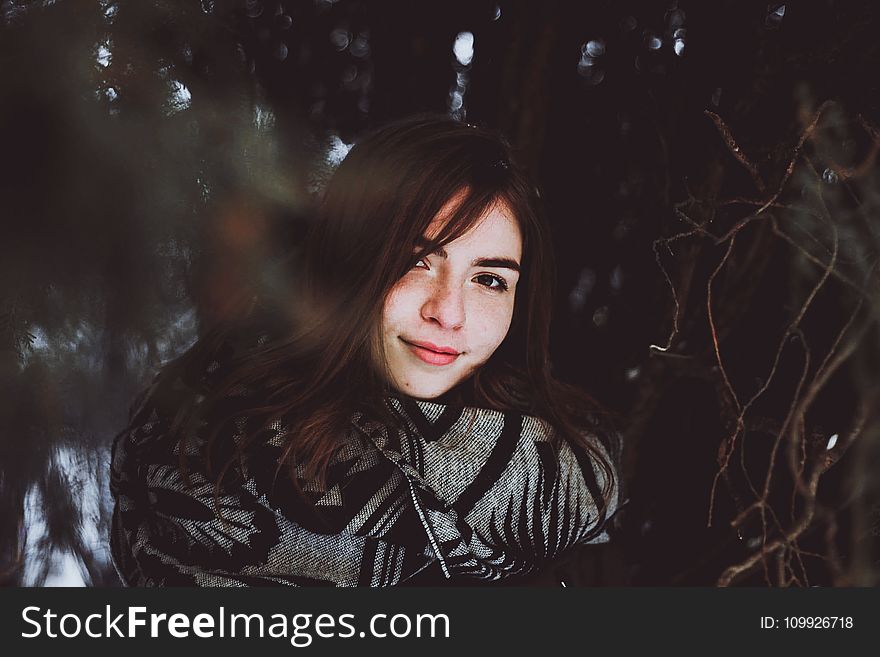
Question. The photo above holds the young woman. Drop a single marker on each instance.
(396, 415)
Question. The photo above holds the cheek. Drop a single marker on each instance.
(399, 305)
(492, 321)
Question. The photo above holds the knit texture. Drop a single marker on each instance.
(485, 493)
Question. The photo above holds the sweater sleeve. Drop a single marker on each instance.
(496, 493)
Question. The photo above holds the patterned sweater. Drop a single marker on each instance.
(481, 493)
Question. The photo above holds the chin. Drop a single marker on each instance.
(426, 390)
(439, 392)
(428, 394)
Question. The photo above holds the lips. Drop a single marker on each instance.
(431, 353)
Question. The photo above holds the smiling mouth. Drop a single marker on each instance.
(431, 356)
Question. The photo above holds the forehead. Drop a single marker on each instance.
(497, 230)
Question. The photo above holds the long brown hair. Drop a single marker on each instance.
(324, 360)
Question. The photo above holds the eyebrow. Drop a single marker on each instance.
(499, 262)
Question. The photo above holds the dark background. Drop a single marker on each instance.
(710, 174)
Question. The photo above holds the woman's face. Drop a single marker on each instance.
(450, 312)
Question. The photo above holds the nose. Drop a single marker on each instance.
(445, 305)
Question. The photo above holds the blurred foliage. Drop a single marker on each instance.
(158, 159)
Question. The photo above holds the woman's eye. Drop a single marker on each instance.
(492, 282)
(421, 264)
